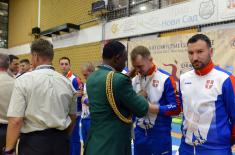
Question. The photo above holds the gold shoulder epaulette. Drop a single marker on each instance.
(110, 97)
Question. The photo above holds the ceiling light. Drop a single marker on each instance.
(133, 3)
(3, 13)
(142, 8)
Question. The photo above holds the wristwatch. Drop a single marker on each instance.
(4, 152)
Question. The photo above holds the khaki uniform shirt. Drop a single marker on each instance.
(10, 73)
(6, 87)
(45, 98)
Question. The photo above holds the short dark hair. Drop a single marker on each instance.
(4, 60)
(43, 48)
(140, 50)
(65, 58)
(12, 57)
(25, 61)
(113, 48)
(202, 37)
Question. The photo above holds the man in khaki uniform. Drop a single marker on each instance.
(6, 85)
(41, 107)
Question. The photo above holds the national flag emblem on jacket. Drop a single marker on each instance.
(209, 84)
(155, 83)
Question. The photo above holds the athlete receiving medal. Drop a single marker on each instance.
(153, 131)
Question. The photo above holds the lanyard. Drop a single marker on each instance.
(45, 67)
(146, 119)
(144, 86)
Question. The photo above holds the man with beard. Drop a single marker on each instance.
(208, 103)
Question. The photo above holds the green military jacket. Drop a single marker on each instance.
(108, 135)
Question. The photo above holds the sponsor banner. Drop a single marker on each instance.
(224, 54)
(170, 53)
(178, 16)
(226, 10)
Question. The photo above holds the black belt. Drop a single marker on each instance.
(3, 125)
(44, 132)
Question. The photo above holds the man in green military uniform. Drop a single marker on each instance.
(112, 103)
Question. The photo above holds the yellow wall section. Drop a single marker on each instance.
(176, 1)
(58, 12)
(78, 56)
(25, 56)
(22, 18)
(178, 32)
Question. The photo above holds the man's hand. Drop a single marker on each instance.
(79, 93)
(143, 93)
(153, 108)
(132, 73)
(73, 122)
(13, 132)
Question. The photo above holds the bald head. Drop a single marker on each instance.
(87, 69)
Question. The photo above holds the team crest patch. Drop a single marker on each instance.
(209, 84)
(155, 83)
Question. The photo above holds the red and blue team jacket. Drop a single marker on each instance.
(161, 90)
(78, 85)
(208, 108)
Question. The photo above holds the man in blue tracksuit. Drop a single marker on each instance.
(153, 132)
(75, 144)
(208, 97)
